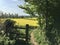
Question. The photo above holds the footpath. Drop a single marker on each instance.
(33, 39)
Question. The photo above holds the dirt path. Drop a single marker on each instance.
(33, 40)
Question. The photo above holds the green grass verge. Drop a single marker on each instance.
(40, 37)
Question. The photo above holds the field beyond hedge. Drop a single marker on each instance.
(23, 21)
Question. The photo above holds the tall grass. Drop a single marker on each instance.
(40, 37)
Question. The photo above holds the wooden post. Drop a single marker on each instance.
(47, 15)
(27, 32)
(9, 43)
(2, 42)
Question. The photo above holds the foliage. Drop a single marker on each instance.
(28, 9)
(9, 28)
(12, 35)
(5, 15)
(35, 7)
(4, 38)
(50, 10)
(40, 37)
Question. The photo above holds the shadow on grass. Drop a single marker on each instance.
(21, 42)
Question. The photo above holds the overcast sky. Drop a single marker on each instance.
(10, 6)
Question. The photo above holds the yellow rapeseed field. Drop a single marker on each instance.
(23, 22)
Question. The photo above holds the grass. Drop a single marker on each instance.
(40, 37)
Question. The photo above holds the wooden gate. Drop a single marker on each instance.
(26, 32)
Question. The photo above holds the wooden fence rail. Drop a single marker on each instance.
(26, 31)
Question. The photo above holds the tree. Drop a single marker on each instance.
(9, 28)
(50, 11)
(34, 7)
(29, 9)
(16, 15)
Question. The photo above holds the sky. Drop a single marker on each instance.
(10, 6)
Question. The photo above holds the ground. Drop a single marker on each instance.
(33, 39)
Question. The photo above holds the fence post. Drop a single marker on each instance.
(27, 32)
